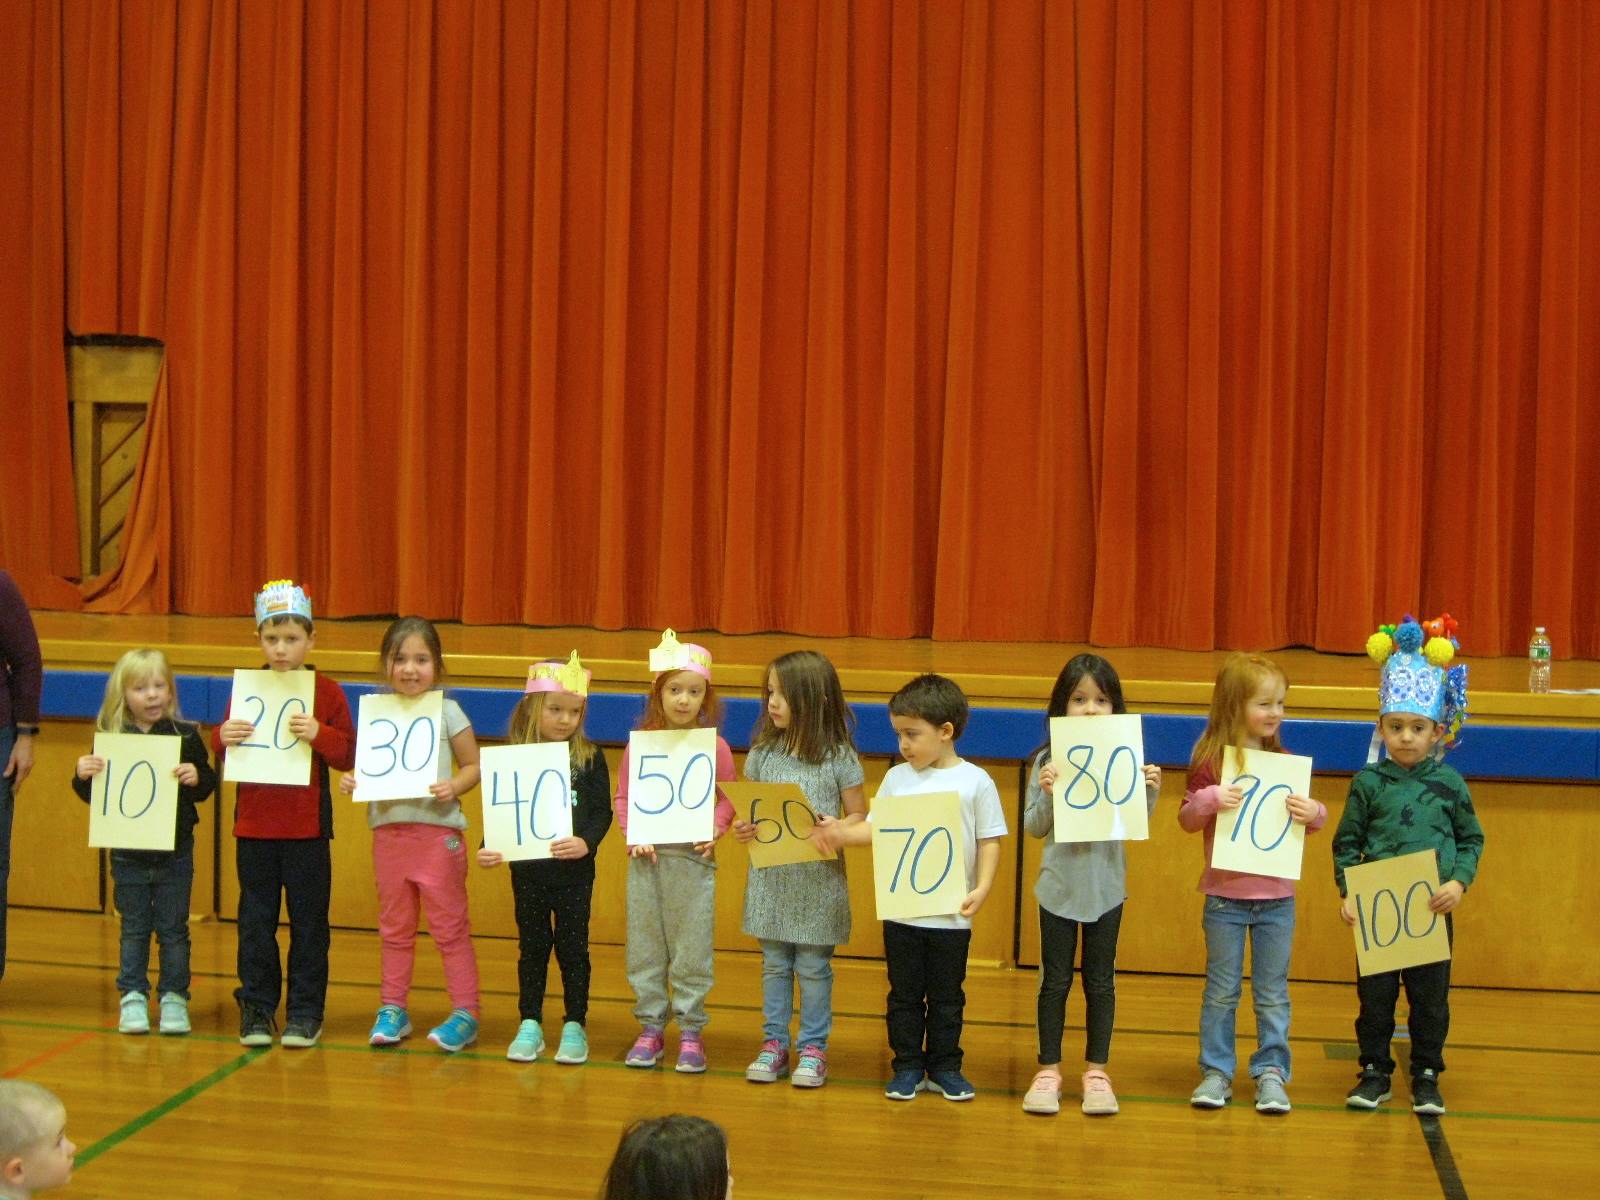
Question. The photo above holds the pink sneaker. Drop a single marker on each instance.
(647, 1049)
(811, 1071)
(691, 1054)
(1044, 1093)
(1098, 1098)
(771, 1065)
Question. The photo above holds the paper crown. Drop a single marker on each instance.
(557, 676)
(281, 598)
(673, 655)
(1415, 676)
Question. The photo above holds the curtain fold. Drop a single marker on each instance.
(1199, 325)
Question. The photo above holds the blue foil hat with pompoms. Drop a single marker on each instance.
(1417, 675)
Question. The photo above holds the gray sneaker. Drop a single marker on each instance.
(1213, 1091)
(1270, 1094)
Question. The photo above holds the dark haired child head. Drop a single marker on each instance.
(670, 1158)
(804, 711)
(283, 624)
(1087, 686)
(35, 1152)
(411, 656)
(928, 715)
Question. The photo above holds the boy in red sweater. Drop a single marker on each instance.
(281, 835)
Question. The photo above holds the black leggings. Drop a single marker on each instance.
(1058, 938)
(551, 916)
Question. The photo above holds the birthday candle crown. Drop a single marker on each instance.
(281, 598)
(673, 655)
(556, 676)
(1417, 676)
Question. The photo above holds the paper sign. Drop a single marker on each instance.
(783, 822)
(397, 745)
(1260, 836)
(133, 803)
(1099, 791)
(527, 798)
(672, 786)
(919, 868)
(267, 699)
(1394, 926)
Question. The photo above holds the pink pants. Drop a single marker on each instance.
(424, 866)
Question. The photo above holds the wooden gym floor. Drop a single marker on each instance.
(201, 1116)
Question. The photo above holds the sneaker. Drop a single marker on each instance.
(1044, 1093)
(647, 1049)
(456, 1032)
(135, 1016)
(1425, 1097)
(301, 1033)
(174, 1013)
(952, 1085)
(1098, 1098)
(256, 1026)
(1371, 1089)
(771, 1065)
(1271, 1097)
(574, 1047)
(391, 1027)
(811, 1069)
(691, 1054)
(1213, 1091)
(904, 1085)
(528, 1044)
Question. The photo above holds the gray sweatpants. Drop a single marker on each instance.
(671, 909)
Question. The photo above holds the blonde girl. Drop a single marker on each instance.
(1246, 712)
(419, 856)
(672, 888)
(552, 895)
(800, 911)
(152, 886)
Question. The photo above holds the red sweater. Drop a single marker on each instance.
(272, 810)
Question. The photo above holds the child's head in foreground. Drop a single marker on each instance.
(35, 1152)
(670, 1158)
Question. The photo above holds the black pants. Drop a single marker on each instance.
(301, 871)
(927, 968)
(1427, 994)
(1058, 946)
(551, 915)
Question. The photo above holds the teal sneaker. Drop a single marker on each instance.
(574, 1048)
(174, 1014)
(528, 1043)
(456, 1032)
(135, 1015)
(391, 1028)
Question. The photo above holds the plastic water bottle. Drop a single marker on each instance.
(1539, 661)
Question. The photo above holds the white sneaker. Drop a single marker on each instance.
(135, 1014)
(174, 1014)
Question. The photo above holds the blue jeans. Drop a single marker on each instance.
(1270, 925)
(781, 964)
(153, 894)
(8, 737)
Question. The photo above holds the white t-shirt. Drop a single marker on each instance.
(981, 817)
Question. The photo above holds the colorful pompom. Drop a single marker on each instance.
(1408, 638)
(1439, 651)
(1379, 646)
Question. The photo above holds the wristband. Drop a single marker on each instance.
(27, 730)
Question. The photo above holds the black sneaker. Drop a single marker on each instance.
(255, 1026)
(1371, 1089)
(1425, 1097)
(300, 1033)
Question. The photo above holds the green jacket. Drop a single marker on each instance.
(1393, 811)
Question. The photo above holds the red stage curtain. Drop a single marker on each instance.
(1207, 324)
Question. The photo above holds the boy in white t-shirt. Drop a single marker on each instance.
(927, 956)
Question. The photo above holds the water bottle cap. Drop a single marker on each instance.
(1538, 628)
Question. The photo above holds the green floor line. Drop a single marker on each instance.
(145, 1119)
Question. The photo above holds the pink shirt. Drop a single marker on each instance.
(721, 818)
(1199, 812)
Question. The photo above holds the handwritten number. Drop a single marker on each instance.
(261, 711)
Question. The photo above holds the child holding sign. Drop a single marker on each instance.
(152, 886)
(927, 956)
(800, 911)
(1082, 886)
(281, 837)
(552, 895)
(1246, 712)
(671, 888)
(419, 856)
(1409, 802)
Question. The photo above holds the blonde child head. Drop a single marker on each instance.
(532, 719)
(132, 670)
(1242, 679)
(35, 1152)
(801, 690)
